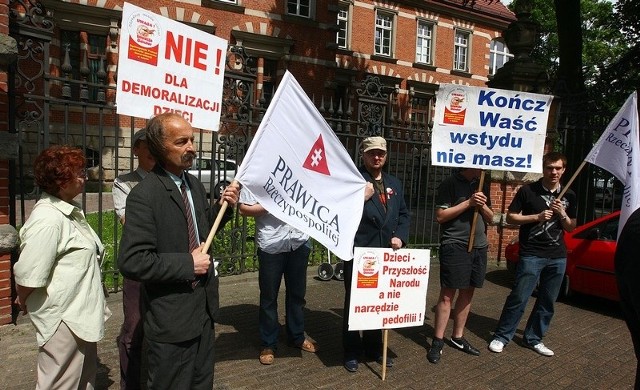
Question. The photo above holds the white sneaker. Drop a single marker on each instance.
(496, 346)
(541, 349)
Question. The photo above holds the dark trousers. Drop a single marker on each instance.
(184, 365)
(293, 266)
(371, 340)
(131, 336)
(627, 275)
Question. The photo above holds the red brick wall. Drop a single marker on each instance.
(501, 234)
(5, 260)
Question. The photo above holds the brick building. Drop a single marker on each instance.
(376, 64)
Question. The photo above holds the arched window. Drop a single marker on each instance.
(499, 55)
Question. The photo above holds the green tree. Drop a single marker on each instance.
(619, 77)
(594, 49)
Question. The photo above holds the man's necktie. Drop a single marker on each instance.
(193, 240)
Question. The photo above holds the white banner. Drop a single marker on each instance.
(388, 288)
(489, 128)
(299, 171)
(618, 151)
(167, 66)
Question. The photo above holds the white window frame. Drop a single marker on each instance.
(461, 50)
(384, 31)
(496, 53)
(300, 5)
(228, 1)
(424, 42)
(343, 33)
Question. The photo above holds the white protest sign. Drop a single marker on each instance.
(489, 128)
(167, 66)
(388, 288)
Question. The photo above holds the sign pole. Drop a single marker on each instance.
(385, 339)
(475, 215)
(216, 223)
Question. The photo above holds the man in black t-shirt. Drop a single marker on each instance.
(461, 270)
(543, 218)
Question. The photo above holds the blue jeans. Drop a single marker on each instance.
(293, 265)
(529, 270)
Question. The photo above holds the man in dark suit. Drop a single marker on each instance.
(627, 269)
(168, 216)
(384, 224)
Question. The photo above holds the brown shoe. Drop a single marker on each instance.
(308, 346)
(267, 356)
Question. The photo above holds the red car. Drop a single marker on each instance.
(590, 251)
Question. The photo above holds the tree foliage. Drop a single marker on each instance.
(610, 50)
(620, 76)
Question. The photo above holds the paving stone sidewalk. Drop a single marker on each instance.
(592, 344)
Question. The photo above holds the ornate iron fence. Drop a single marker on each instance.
(62, 105)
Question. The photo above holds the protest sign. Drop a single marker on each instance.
(489, 128)
(167, 66)
(388, 288)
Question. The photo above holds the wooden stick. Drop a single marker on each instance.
(385, 339)
(566, 187)
(216, 224)
(575, 174)
(475, 215)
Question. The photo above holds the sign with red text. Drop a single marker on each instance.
(167, 66)
(489, 128)
(388, 288)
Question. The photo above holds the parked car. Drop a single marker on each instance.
(590, 251)
(608, 197)
(223, 172)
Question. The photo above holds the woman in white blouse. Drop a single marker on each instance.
(58, 274)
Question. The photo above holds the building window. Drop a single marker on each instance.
(424, 42)
(422, 109)
(383, 34)
(81, 43)
(92, 156)
(461, 51)
(269, 79)
(499, 55)
(228, 1)
(342, 38)
(302, 8)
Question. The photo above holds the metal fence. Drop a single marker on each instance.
(73, 104)
(63, 105)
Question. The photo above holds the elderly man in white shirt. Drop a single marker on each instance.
(131, 333)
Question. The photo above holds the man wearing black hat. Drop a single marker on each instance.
(130, 339)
